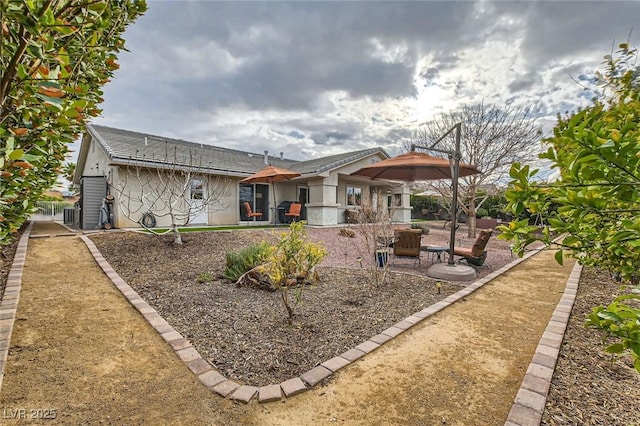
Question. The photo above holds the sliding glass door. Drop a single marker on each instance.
(257, 195)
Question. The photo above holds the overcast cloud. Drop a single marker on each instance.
(319, 78)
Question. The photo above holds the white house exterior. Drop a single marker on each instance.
(325, 188)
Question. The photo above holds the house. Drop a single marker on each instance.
(325, 188)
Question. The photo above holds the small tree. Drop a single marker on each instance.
(375, 226)
(492, 139)
(596, 202)
(176, 187)
(291, 264)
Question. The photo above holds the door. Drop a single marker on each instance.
(257, 195)
(198, 212)
(303, 198)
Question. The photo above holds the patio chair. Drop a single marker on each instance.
(476, 255)
(407, 244)
(250, 213)
(294, 212)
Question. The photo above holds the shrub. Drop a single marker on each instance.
(204, 277)
(421, 225)
(293, 262)
(482, 212)
(239, 262)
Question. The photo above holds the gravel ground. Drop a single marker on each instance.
(587, 388)
(244, 332)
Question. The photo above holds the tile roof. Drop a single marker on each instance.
(123, 146)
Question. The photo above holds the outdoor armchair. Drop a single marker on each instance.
(477, 254)
(250, 213)
(407, 244)
(294, 212)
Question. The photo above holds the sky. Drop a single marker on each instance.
(311, 79)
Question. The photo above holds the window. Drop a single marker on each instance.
(197, 189)
(354, 196)
(394, 200)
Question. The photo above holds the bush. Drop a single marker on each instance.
(293, 263)
(204, 277)
(421, 225)
(481, 212)
(418, 203)
(239, 262)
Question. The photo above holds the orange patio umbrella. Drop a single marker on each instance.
(271, 174)
(413, 166)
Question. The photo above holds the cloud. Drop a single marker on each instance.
(319, 78)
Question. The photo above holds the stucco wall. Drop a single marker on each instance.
(130, 188)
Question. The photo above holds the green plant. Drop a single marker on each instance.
(595, 203)
(419, 202)
(619, 320)
(421, 225)
(54, 58)
(204, 277)
(242, 261)
(292, 263)
(482, 212)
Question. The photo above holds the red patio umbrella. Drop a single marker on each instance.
(271, 174)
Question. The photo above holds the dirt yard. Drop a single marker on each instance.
(80, 353)
(78, 348)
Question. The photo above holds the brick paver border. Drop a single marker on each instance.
(219, 384)
(527, 408)
(529, 403)
(9, 302)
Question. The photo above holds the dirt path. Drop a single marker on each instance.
(462, 366)
(80, 349)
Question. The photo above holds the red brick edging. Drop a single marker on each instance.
(219, 384)
(10, 297)
(529, 403)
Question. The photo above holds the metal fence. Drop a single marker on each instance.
(51, 210)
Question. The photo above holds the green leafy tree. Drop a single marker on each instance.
(596, 201)
(68, 171)
(55, 55)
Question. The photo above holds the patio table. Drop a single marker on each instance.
(435, 252)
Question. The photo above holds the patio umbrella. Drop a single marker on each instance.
(270, 175)
(413, 166)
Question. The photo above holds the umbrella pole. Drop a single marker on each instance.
(454, 178)
(454, 202)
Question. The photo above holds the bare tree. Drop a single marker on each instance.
(492, 139)
(375, 226)
(174, 186)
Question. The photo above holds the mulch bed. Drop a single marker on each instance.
(244, 331)
(7, 254)
(587, 386)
